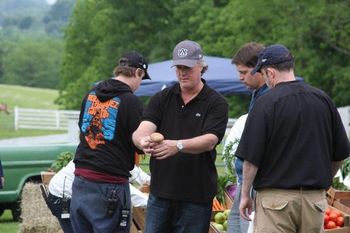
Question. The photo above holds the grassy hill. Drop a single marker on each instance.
(25, 97)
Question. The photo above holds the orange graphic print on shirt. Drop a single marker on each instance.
(99, 120)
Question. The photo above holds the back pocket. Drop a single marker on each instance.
(273, 204)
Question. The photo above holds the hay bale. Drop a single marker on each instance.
(36, 216)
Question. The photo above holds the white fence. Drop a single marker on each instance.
(28, 118)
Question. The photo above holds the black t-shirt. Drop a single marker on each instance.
(292, 134)
(189, 177)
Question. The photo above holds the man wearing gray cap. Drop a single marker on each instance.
(292, 145)
(192, 117)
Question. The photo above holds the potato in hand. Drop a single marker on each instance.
(157, 137)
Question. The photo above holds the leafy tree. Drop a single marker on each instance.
(57, 17)
(33, 62)
(313, 32)
(99, 31)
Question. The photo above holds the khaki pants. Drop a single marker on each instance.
(289, 211)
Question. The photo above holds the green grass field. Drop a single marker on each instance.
(25, 97)
(6, 223)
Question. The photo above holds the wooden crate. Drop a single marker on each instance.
(227, 205)
(346, 228)
(133, 228)
(212, 229)
(228, 200)
(339, 199)
(46, 176)
(139, 218)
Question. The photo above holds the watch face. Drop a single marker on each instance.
(179, 145)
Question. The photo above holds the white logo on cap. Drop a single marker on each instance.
(182, 52)
(144, 66)
(263, 60)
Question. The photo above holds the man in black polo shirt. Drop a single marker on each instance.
(193, 118)
(293, 144)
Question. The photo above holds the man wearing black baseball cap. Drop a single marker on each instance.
(110, 113)
(192, 118)
(136, 60)
(293, 144)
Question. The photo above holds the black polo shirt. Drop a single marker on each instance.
(189, 177)
(292, 134)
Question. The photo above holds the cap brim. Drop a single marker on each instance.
(185, 62)
(146, 76)
(256, 69)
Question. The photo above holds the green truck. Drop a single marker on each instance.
(23, 164)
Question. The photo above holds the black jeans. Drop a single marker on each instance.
(55, 205)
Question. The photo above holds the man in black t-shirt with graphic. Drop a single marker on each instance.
(109, 114)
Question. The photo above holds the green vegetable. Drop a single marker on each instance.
(62, 160)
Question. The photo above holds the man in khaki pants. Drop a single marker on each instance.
(293, 144)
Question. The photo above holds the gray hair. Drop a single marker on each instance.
(204, 65)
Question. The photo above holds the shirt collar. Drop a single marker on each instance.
(203, 94)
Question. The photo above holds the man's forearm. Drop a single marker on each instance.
(335, 166)
(249, 173)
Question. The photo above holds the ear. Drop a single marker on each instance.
(139, 73)
(270, 72)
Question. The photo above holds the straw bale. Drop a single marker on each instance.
(36, 216)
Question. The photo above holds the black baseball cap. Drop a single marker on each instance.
(272, 55)
(134, 59)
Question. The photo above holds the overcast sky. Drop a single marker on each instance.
(51, 1)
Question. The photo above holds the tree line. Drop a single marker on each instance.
(99, 31)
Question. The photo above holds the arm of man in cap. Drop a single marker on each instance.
(246, 205)
(141, 136)
(196, 145)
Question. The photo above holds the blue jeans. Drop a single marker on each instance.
(55, 205)
(173, 216)
(235, 223)
(100, 207)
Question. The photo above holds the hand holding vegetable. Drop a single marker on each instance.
(157, 137)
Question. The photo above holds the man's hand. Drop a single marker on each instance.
(165, 149)
(246, 207)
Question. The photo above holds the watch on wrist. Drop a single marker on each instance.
(179, 145)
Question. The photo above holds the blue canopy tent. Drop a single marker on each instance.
(221, 76)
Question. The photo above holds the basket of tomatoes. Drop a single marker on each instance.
(336, 220)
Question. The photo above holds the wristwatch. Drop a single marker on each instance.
(179, 145)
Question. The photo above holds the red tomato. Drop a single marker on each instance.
(331, 225)
(328, 211)
(340, 221)
(326, 218)
(333, 216)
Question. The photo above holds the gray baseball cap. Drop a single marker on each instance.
(187, 53)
